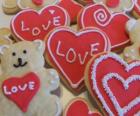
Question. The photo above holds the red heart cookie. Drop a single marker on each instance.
(79, 107)
(115, 84)
(68, 5)
(70, 51)
(21, 90)
(31, 25)
(112, 24)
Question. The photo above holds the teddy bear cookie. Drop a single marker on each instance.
(117, 5)
(26, 85)
(132, 52)
(82, 105)
(114, 84)
(14, 6)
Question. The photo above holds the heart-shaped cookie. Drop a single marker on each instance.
(80, 107)
(113, 25)
(136, 9)
(69, 52)
(31, 25)
(115, 84)
(21, 90)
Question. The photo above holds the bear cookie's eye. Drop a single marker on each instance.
(24, 51)
(14, 54)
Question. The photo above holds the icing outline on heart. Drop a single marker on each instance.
(67, 21)
(121, 111)
(137, 6)
(107, 48)
(128, 67)
(103, 13)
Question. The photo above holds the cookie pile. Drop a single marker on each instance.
(92, 45)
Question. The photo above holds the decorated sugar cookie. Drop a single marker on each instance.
(69, 51)
(115, 84)
(113, 25)
(26, 85)
(132, 52)
(14, 6)
(82, 105)
(136, 9)
(117, 5)
(31, 25)
(5, 34)
(68, 5)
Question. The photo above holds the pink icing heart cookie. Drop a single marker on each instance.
(68, 5)
(80, 104)
(115, 84)
(21, 90)
(117, 5)
(113, 25)
(69, 51)
(31, 25)
(136, 9)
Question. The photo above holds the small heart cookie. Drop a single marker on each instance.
(80, 104)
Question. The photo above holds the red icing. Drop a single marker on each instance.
(137, 7)
(124, 97)
(38, 2)
(27, 22)
(72, 7)
(112, 3)
(81, 44)
(112, 24)
(80, 108)
(22, 98)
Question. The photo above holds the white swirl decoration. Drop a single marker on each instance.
(101, 17)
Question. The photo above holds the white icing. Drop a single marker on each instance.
(82, 61)
(128, 67)
(94, 48)
(71, 51)
(54, 19)
(2, 48)
(101, 17)
(130, 24)
(136, 4)
(107, 48)
(121, 111)
(36, 31)
(19, 88)
(23, 27)
(82, 19)
(58, 50)
(52, 11)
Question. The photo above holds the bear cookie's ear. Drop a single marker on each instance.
(40, 45)
(2, 48)
(130, 24)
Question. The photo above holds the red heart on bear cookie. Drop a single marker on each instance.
(115, 84)
(31, 25)
(112, 24)
(79, 107)
(21, 90)
(70, 51)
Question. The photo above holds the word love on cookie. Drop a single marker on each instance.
(70, 51)
(31, 25)
(115, 84)
(21, 90)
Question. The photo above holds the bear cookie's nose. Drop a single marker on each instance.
(20, 63)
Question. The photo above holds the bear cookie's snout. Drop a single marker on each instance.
(20, 63)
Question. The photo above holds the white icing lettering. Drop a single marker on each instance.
(56, 21)
(36, 31)
(23, 28)
(58, 49)
(14, 89)
(71, 50)
(46, 27)
(82, 61)
(6, 91)
(31, 85)
(94, 48)
(22, 88)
